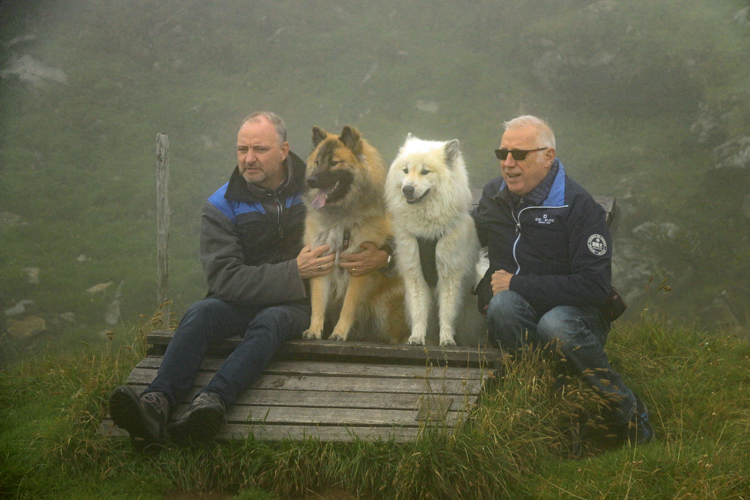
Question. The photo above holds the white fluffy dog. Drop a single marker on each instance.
(427, 193)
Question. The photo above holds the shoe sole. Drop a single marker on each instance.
(201, 425)
(126, 412)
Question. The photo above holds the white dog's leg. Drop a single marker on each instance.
(418, 296)
(455, 255)
(449, 296)
(320, 289)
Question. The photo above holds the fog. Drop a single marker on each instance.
(650, 104)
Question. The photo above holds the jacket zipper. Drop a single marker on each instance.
(517, 219)
(279, 211)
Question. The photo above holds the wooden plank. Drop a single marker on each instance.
(337, 369)
(321, 399)
(328, 433)
(331, 384)
(327, 416)
(362, 352)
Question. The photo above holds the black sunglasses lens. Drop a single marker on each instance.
(518, 154)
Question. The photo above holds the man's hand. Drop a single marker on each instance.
(500, 281)
(370, 259)
(312, 263)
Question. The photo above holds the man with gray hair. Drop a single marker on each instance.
(550, 253)
(256, 268)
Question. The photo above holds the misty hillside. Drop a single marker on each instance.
(650, 104)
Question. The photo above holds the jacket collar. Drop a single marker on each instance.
(549, 192)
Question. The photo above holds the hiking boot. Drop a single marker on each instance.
(144, 417)
(639, 430)
(201, 421)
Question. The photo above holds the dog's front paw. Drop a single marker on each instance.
(337, 336)
(415, 340)
(447, 342)
(311, 335)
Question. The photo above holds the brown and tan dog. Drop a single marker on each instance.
(345, 208)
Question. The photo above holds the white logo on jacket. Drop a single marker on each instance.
(597, 244)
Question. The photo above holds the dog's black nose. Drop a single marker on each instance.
(407, 190)
(312, 181)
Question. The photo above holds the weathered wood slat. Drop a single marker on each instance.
(323, 399)
(329, 416)
(330, 384)
(361, 352)
(334, 369)
(333, 433)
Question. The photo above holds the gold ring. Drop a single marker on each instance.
(320, 268)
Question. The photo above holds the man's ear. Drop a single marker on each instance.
(549, 156)
(284, 150)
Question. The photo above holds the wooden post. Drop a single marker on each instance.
(162, 226)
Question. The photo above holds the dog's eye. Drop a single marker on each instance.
(425, 172)
(406, 170)
(334, 163)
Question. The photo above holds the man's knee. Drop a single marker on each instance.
(564, 324)
(280, 322)
(203, 309)
(505, 304)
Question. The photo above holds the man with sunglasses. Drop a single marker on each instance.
(550, 255)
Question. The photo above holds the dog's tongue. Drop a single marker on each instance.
(320, 198)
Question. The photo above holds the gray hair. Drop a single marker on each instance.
(278, 123)
(546, 135)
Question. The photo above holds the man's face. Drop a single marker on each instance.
(260, 157)
(522, 176)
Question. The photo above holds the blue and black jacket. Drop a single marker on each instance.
(250, 240)
(558, 246)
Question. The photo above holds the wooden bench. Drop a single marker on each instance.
(341, 391)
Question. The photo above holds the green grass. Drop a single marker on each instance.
(697, 387)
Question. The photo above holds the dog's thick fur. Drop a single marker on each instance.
(428, 196)
(346, 177)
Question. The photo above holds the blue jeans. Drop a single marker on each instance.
(263, 330)
(579, 333)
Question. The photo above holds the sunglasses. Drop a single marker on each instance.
(518, 154)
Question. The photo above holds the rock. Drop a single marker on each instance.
(658, 231)
(9, 219)
(100, 288)
(68, 316)
(427, 106)
(32, 274)
(721, 315)
(19, 308)
(734, 153)
(743, 17)
(27, 327)
(112, 313)
(32, 71)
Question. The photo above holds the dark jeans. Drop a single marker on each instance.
(580, 333)
(263, 330)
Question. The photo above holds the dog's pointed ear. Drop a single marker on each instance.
(351, 139)
(319, 135)
(451, 152)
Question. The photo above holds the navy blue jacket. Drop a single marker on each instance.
(250, 240)
(560, 250)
